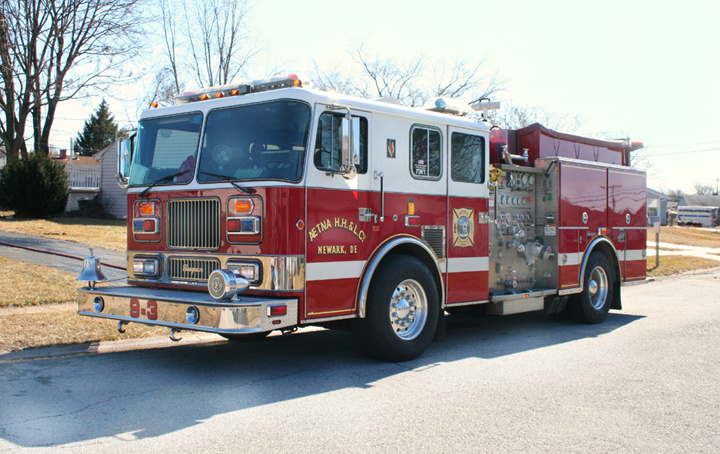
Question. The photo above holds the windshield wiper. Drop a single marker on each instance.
(164, 179)
(230, 180)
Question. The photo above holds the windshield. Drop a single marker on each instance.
(255, 142)
(166, 147)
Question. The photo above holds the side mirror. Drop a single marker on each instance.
(124, 149)
(349, 126)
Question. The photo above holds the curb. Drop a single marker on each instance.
(89, 348)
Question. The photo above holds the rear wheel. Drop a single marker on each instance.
(593, 303)
(402, 311)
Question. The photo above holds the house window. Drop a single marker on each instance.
(652, 209)
(425, 153)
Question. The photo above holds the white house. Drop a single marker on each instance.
(112, 196)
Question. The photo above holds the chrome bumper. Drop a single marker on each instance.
(245, 314)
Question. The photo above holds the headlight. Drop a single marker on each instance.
(248, 270)
(146, 267)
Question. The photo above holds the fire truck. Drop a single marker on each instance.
(268, 206)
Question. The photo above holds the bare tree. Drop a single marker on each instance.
(704, 189)
(408, 81)
(51, 51)
(674, 195)
(516, 117)
(205, 43)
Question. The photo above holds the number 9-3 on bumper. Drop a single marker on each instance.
(188, 310)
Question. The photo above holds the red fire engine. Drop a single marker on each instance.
(268, 206)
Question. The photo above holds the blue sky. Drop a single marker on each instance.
(647, 70)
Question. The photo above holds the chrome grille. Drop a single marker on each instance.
(191, 269)
(193, 224)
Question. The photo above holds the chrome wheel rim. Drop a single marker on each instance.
(598, 287)
(408, 309)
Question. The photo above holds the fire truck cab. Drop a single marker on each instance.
(267, 205)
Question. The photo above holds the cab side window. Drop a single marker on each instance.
(425, 153)
(467, 156)
(328, 142)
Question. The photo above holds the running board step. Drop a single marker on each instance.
(516, 303)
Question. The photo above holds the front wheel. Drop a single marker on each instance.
(593, 303)
(402, 311)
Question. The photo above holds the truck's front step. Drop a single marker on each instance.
(188, 310)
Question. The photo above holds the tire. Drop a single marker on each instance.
(591, 306)
(402, 311)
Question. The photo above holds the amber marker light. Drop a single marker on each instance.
(243, 206)
(147, 208)
(235, 92)
(219, 95)
(204, 97)
(154, 105)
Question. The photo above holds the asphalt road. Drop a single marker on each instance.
(646, 381)
(25, 248)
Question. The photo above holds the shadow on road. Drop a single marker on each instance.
(149, 393)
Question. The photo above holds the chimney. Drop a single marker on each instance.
(63, 154)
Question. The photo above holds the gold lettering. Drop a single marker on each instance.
(338, 223)
(335, 249)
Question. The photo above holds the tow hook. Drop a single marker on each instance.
(289, 330)
(173, 332)
(120, 326)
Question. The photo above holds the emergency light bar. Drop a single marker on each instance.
(242, 88)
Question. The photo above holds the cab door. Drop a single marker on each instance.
(467, 240)
(336, 236)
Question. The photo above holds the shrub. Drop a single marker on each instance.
(35, 187)
(92, 208)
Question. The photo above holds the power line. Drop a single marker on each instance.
(683, 145)
(682, 152)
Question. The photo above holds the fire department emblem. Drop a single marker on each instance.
(463, 227)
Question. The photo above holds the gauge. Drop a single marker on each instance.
(531, 179)
(524, 180)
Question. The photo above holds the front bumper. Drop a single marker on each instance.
(245, 314)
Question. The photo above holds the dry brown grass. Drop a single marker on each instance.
(676, 264)
(21, 331)
(38, 285)
(690, 236)
(103, 233)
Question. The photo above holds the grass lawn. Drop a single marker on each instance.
(39, 284)
(690, 236)
(676, 264)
